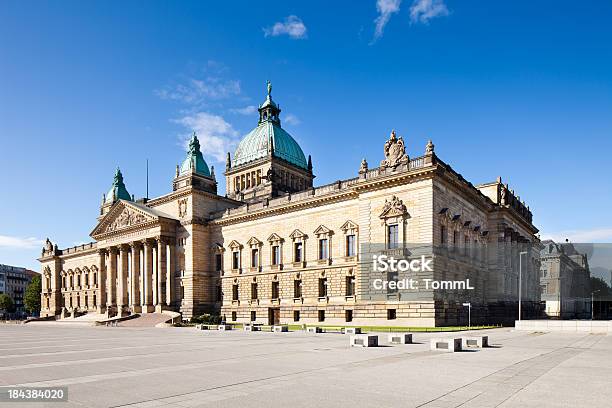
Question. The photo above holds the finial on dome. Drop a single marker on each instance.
(212, 172)
(309, 163)
(269, 88)
(177, 171)
(228, 162)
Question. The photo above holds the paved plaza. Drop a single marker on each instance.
(182, 367)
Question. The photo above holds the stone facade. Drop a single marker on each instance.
(277, 250)
(565, 280)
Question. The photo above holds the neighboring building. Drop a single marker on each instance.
(14, 281)
(565, 280)
(276, 249)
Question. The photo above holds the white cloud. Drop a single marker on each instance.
(579, 236)
(216, 136)
(385, 8)
(291, 119)
(293, 26)
(422, 11)
(247, 110)
(20, 243)
(199, 91)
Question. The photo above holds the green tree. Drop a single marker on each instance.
(6, 303)
(31, 300)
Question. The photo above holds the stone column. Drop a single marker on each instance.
(135, 277)
(122, 280)
(147, 307)
(161, 272)
(170, 275)
(112, 277)
(102, 280)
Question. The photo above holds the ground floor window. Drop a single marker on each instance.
(348, 315)
(253, 316)
(234, 316)
(296, 315)
(391, 314)
(321, 315)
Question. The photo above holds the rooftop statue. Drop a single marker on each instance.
(395, 152)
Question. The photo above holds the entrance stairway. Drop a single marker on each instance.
(145, 320)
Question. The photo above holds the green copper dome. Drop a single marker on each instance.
(117, 190)
(269, 137)
(195, 161)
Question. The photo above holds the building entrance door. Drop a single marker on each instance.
(273, 316)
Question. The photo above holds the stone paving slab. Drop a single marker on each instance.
(182, 367)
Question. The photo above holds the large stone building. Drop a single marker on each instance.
(565, 280)
(276, 248)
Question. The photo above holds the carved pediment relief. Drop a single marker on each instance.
(127, 218)
(393, 208)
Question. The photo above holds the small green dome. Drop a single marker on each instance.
(117, 190)
(195, 161)
(268, 136)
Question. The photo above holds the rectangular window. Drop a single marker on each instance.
(348, 315)
(350, 245)
(442, 234)
(235, 291)
(235, 259)
(254, 257)
(253, 291)
(321, 315)
(455, 238)
(392, 236)
(218, 262)
(218, 294)
(296, 315)
(391, 314)
(323, 249)
(466, 245)
(275, 255)
(297, 288)
(350, 286)
(275, 290)
(322, 287)
(253, 315)
(297, 253)
(234, 316)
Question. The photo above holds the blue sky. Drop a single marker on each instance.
(518, 89)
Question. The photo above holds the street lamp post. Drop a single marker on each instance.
(520, 289)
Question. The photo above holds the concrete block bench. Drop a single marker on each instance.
(352, 330)
(279, 329)
(364, 340)
(251, 328)
(447, 345)
(400, 338)
(476, 341)
(314, 330)
(223, 327)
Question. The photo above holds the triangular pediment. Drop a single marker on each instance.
(122, 216)
(235, 245)
(297, 234)
(393, 208)
(349, 226)
(322, 230)
(253, 241)
(274, 238)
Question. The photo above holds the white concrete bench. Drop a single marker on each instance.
(400, 338)
(475, 341)
(364, 340)
(251, 328)
(314, 330)
(223, 327)
(279, 329)
(352, 330)
(447, 345)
